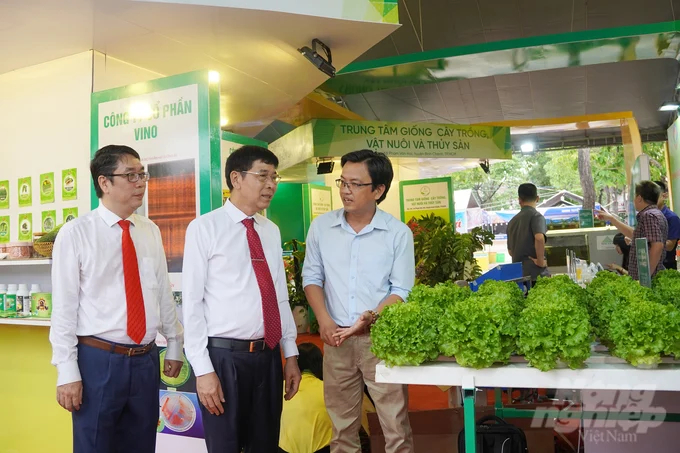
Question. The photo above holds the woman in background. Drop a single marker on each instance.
(622, 244)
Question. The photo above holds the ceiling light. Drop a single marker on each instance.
(669, 107)
(213, 76)
(224, 121)
(324, 65)
(527, 147)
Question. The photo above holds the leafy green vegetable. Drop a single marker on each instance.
(51, 236)
(507, 291)
(639, 331)
(438, 297)
(555, 325)
(666, 287)
(405, 334)
(479, 331)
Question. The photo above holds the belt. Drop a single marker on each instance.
(237, 345)
(115, 348)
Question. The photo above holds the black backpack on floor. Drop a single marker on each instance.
(499, 437)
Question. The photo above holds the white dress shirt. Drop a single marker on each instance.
(220, 294)
(357, 271)
(88, 287)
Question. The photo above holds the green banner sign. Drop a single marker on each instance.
(25, 192)
(338, 137)
(4, 229)
(49, 221)
(4, 194)
(423, 197)
(69, 184)
(47, 188)
(585, 218)
(26, 227)
(642, 253)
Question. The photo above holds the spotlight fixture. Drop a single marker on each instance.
(323, 168)
(485, 166)
(669, 107)
(527, 147)
(324, 65)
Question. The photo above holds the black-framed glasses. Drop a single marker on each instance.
(351, 185)
(133, 177)
(263, 177)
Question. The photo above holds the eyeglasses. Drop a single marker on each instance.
(351, 185)
(133, 177)
(263, 177)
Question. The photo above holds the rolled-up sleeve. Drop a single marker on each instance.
(194, 276)
(170, 326)
(403, 275)
(288, 326)
(312, 270)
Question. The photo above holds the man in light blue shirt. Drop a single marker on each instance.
(359, 260)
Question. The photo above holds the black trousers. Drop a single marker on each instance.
(326, 449)
(252, 383)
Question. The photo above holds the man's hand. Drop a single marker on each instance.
(291, 373)
(171, 368)
(603, 215)
(359, 327)
(540, 262)
(210, 393)
(70, 396)
(327, 329)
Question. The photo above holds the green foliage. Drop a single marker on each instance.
(439, 297)
(555, 325)
(666, 287)
(405, 334)
(442, 254)
(479, 331)
(639, 331)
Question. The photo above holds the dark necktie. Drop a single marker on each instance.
(270, 304)
(136, 316)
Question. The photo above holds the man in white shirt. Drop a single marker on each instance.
(236, 311)
(359, 260)
(111, 296)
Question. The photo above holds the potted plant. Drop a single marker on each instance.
(302, 313)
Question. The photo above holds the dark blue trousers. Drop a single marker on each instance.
(119, 413)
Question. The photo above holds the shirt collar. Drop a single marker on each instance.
(110, 218)
(646, 208)
(235, 214)
(378, 222)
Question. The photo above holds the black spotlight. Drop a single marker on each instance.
(323, 168)
(324, 65)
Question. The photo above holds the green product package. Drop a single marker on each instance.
(69, 214)
(25, 227)
(49, 221)
(47, 188)
(69, 184)
(41, 305)
(10, 308)
(25, 192)
(4, 194)
(4, 229)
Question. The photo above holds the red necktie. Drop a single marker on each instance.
(270, 304)
(136, 316)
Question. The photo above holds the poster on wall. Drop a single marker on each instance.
(69, 184)
(49, 221)
(69, 214)
(320, 200)
(25, 192)
(4, 194)
(4, 229)
(47, 188)
(25, 227)
(423, 197)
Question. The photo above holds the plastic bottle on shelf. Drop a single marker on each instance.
(34, 289)
(11, 301)
(3, 291)
(23, 300)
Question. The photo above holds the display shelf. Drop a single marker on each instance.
(602, 372)
(26, 262)
(33, 322)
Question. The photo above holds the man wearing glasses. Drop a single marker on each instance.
(359, 260)
(236, 311)
(111, 296)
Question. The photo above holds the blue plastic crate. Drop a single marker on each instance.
(502, 272)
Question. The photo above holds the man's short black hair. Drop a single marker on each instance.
(243, 159)
(310, 359)
(379, 168)
(662, 184)
(527, 192)
(105, 162)
(648, 191)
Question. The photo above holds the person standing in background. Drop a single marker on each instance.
(111, 296)
(359, 260)
(527, 234)
(670, 262)
(236, 311)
